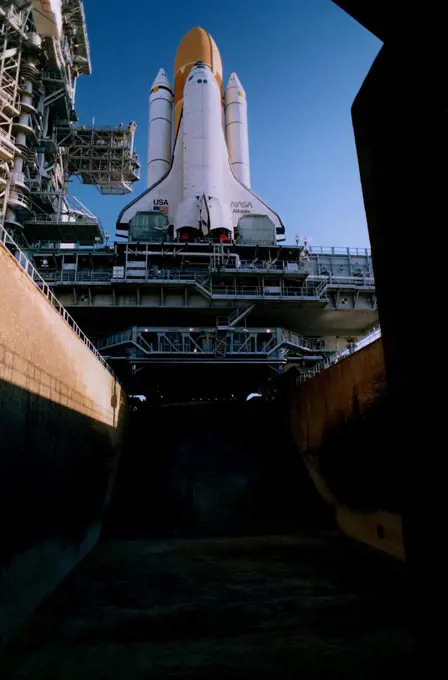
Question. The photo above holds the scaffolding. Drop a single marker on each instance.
(75, 29)
(103, 157)
(42, 53)
(62, 218)
(271, 345)
(13, 20)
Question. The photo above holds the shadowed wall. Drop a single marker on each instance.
(61, 421)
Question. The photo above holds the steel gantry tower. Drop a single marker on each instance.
(44, 48)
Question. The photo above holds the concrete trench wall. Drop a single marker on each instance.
(341, 421)
(61, 421)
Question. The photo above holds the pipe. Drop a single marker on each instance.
(234, 256)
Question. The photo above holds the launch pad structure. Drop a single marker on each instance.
(42, 54)
(163, 309)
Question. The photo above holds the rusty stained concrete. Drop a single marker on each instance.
(336, 406)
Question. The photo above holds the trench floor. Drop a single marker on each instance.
(303, 606)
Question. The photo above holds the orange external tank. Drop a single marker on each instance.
(196, 45)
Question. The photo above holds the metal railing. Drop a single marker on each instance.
(71, 220)
(265, 292)
(180, 277)
(162, 274)
(63, 246)
(373, 335)
(56, 77)
(9, 244)
(265, 266)
(338, 250)
(315, 286)
(72, 276)
(361, 281)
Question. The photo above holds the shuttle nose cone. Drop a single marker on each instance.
(200, 66)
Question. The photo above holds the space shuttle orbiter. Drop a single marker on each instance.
(198, 151)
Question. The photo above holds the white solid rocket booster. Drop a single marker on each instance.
(160, 126)
(237, 135)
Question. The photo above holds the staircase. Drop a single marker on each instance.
(231, 321)
(204, 286)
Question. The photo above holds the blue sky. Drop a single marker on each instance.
(301, 63)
